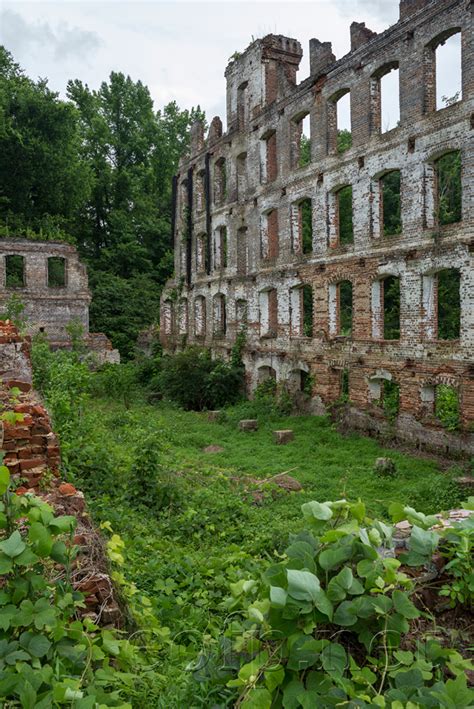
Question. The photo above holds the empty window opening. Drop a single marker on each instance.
(241, 312)
(345, 308)
(345, 385)
(302, 226)
(220, 247)
(242, 105)
(219, 315)
(167, 317)
(200, 191)
(308, 308)
(390, 398)
(267, 374)
(220, 181)
(242, 251)
(344, 215)
(241, 176)
(301, 141)
(200, 316)
(183, 316)
(449, 304)
(390, 287)
(448, 63)
(56, 272)
(391, 203)
(448, 188)
(299, 380)
(446, 406)
(14, 271)
(339, 134)
(385, 98)
(201, 244)
(269, 235)
(269, 167)
(268, 305)
(184, 202)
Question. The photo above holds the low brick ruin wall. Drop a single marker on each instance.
(32, 455)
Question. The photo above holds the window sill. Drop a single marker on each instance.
(270, 335)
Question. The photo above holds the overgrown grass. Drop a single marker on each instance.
(188, 518)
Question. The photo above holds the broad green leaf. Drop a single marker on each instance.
(13, 546)
(274, 676)
(345, 614)
(291, 693)
(317, 510)
(6, 564)
(323, 604)
(332, 557)
(41, 539)
(403, 605)
(302, 585)
(278, 596)
(259, 698)
(334, 659)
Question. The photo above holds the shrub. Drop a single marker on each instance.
(196, 381)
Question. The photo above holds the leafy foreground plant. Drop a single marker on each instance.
(48, 656)
(327, 626)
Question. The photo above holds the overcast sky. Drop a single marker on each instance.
(178, 49)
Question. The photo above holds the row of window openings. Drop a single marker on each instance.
(444, 88)
(441, 305)
(440, 400)
(15, 271)
(386, 215)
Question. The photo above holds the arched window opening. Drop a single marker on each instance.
(446, 405)
(339, 122)
(201, 245)
(308, 308)
(302, 226)
(269, 246)
(200, 316)
(269, 165)
(242, 181)
(242, 251)
(167, 318)
(390, 203)
(390, 398)
(242, 107)
(266, 374)
(220, 182)
(449, 304)
(219, 315)
(183, 316)
(391, 308)
(443, 70)
(448, 197)
(385, 98)
(268, 306)
(241, 312)
(220, 247)
(301, 141)
(14, 271)
(345, 308)
(200, 190)
(344, 215)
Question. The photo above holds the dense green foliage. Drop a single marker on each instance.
(448, 168)
(391, 198)
(292, 626)
(449, 304)
(344, 140)
(391, 308)
(197, 526)
(48, 656)
(96, 170)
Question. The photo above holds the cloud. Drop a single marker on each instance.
(384, 11)
(62, 42)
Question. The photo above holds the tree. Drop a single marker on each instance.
(43, 180)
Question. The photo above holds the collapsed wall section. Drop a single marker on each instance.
(347, 257)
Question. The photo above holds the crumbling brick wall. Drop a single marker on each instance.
(32, 455)
(264, 103)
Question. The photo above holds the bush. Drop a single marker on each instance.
(196, 381)
(117, 381)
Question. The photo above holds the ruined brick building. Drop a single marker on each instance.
(51, 282)
(301, 250)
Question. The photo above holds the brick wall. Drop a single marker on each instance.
(275, 105)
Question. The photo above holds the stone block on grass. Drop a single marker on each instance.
(283, 437)
(248, 425)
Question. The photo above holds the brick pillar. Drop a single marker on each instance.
(272, 231)
(271, 158)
